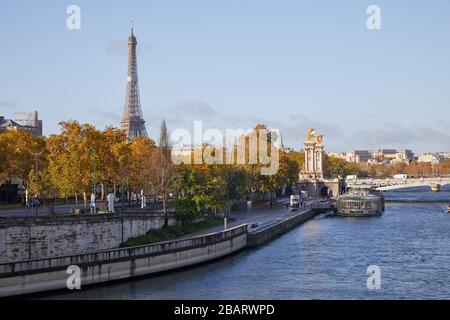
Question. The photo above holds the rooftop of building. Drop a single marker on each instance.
(4, 122)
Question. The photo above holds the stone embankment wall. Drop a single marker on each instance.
(50, 274)
(47, 237)
(267, 233)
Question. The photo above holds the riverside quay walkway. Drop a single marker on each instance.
(247, 230)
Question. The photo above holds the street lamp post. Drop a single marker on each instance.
(29, 230)
(128, 193)
(121, 210)
(94, 182)
(226, 200)
(227, 186)
(36, 207)
(35, 155)
(95, 177)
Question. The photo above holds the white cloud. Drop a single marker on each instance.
(116, 46)
(338, 137)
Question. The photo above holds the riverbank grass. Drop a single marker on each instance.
(172, 232)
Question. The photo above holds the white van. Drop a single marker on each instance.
(295, 201)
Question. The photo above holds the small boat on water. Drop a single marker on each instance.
(448, 209)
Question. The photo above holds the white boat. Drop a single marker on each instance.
(448, 209)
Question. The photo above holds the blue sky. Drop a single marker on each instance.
(233, 64)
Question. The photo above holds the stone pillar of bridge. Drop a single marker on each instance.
(318, 152)
(313, 167)
(311, 176)
(436, 187)
(308, 172)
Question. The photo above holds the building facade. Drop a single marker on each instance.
(358, 156)
(432, 158)
(381, 156)
(24, 121)
(405, 156)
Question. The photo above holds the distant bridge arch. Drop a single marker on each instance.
(394, 184)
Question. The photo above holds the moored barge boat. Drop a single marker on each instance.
(361, 202)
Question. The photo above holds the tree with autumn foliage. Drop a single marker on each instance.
(112, 154)
(216, 185)
(81, 153)
(164, 169)
(22, 155)
(142, 160)
(444, 167)
(72, 155)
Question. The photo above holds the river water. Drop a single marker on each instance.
(325, 258)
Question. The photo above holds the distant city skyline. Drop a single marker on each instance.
(291, 66)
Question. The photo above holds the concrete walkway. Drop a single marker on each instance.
(41, 211)
(59, 209)
(263, 215)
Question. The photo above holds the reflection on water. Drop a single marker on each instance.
(326, 258)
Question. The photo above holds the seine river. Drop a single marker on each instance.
(325, 258)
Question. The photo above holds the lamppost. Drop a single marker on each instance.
(343, 186)
(94, 182)
(29, 230)
(128, 193)
(227, 186)
(121, 210)
(95, 176)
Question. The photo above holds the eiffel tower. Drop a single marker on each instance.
(133, 122)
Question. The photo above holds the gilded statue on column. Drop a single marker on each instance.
(310, 134)
(319, 139)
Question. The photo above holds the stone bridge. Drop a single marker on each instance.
(392, 184)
